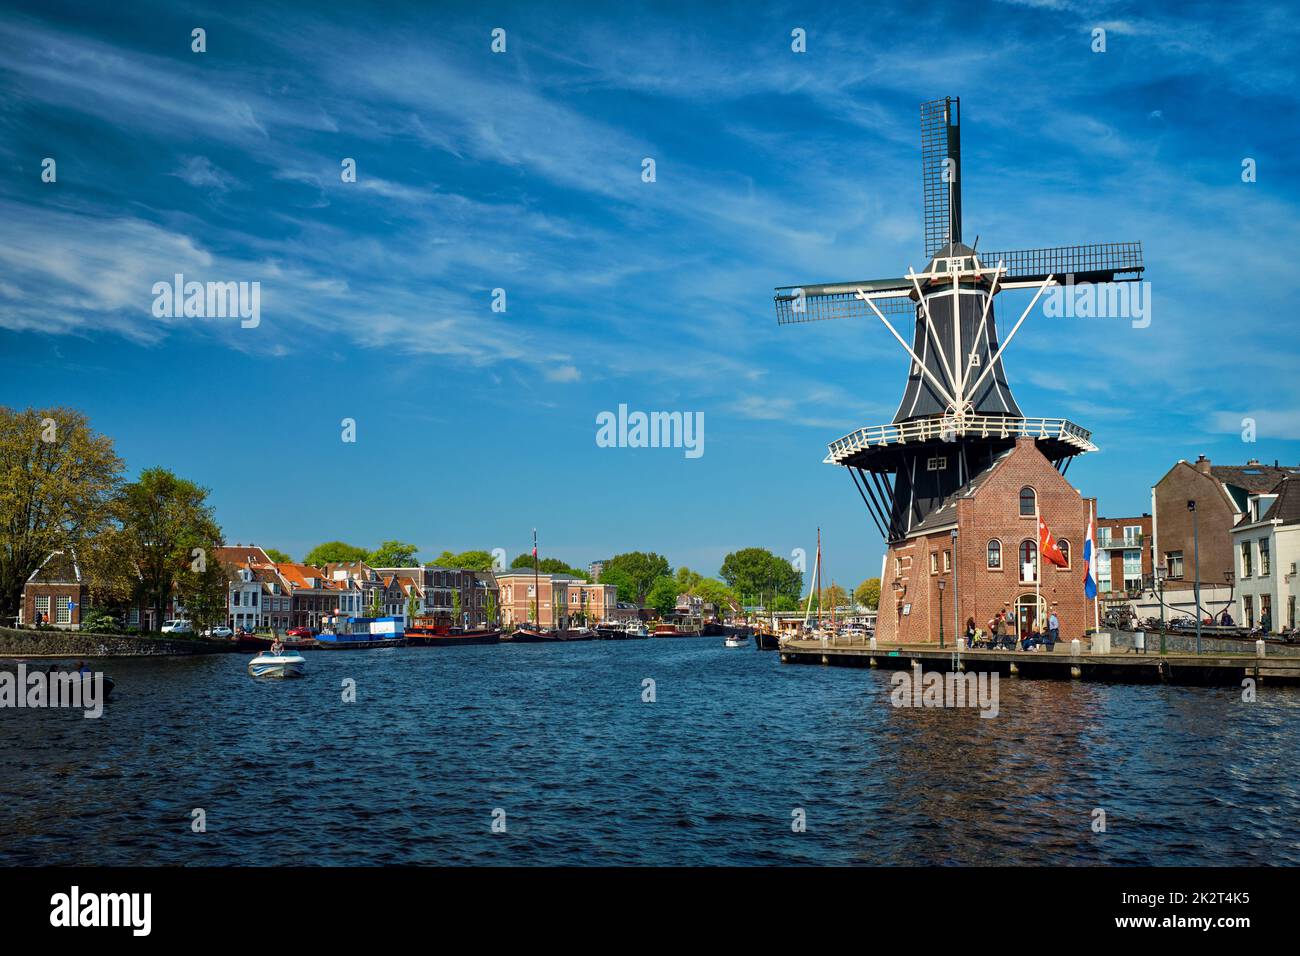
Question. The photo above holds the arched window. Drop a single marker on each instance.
(995, 554)
(1064, 547)
(1028, 502)
(1028, 556)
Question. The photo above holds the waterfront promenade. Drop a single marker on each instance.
(1066, 661)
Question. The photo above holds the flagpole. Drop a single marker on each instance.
(1092, 570)
(1038, 558)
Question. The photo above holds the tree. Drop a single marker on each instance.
(831, 596)
(57, 477)
(491, 608)
(376, 601)
(170, 531)
(393, 554)
(204, 591)
(755, 572)
(455, 607)
(468, 560)
(334, 551)
(687, 580)
(868, 593)
(641, 569)
(662, 595)
(622, 582)
(412, 605)
(716, 593)
(107, 567)
(278, 556)
(547, 566)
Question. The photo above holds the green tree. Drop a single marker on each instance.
(662, 595)
(868, 593)
(831, 596)
(756, 572)
(546, 566)
(171, 531)
(491, 608)
(469, 560)
(641, 570)
(57, 479)
(716, 593)
(687, 580)
(278, 556)
(204, 591)
(376, 602)
(412, 605)
(393, 554)
(622, 581)
(455, 607)
(332, 551)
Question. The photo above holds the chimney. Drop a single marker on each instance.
(1202, 464)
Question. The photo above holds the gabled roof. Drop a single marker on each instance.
(241, 554)
(946, 513)
(1252, 476)
(59, 567)
(1286, 507)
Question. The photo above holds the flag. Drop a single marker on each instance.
(1089, 565)
(1047, 545)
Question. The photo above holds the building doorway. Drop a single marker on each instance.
(1031, 612)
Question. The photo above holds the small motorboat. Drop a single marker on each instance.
(736, 640)
(527, 634)
(282, 664)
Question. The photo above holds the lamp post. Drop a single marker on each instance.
(956, 606)
(1162, 571)
(941, 584)
(1196, 561)
(1230, 577)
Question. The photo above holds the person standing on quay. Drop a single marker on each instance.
(1053, 627)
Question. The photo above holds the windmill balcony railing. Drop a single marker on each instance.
(943, 429)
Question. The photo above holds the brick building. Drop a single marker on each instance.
(1222, 495)
(1124, 557)
(563, 598)
(996, 559)
(56, 590)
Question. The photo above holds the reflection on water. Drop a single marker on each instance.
(586, 772)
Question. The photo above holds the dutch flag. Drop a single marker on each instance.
(1089, 565)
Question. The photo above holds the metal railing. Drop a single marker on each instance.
(943, 429)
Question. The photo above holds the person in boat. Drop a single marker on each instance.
(277, 647)
(82, 667)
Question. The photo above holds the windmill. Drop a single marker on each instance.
(957, 414)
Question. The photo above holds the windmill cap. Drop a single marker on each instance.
(949, 251)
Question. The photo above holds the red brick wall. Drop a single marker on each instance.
(1214, 521)
(994, 512)
(54, 592)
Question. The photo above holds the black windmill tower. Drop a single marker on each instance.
(957, 414)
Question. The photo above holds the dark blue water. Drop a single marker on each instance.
(558, 737)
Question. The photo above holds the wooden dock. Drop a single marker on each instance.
(1212, 669)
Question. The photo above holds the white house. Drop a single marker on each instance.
(1266, 548)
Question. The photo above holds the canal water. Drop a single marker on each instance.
(557, 743)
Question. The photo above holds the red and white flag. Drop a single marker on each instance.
(1047, 545)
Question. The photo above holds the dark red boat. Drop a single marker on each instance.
(259, 642)
(443, 635)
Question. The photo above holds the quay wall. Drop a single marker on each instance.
(1186, 643)
(16, 642)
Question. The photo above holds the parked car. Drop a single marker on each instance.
(219, 631)
(177, 627)
(301, 632)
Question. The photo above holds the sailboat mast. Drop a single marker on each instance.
(537, 590)
(819, 579)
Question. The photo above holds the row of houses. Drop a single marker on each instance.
(264, 593)
(1232, 530)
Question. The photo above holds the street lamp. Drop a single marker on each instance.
(941, 584)
(1162, 572)
(1230, 577)
(1196, 559)
(955, 605)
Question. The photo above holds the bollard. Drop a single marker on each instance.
(1076, 671)
(1139, 642)
(1259, 648)
(873, 643)
(1014, 669)
(872, 662)
(1101, 642)
(1075, 647)
(961, 644)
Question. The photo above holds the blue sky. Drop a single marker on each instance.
(522, 171)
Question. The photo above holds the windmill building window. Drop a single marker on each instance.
(1064, 547)
(995, 555)
(1028, 560)
(936, 464)
(1028, 502)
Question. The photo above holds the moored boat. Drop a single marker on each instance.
(362, 633)
(527, 634)
(766, 640)
(261, 642)
(443, 635)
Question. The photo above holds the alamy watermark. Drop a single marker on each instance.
(1099, 300)
(651, 430)
(79, 690)
(208, 300)
(919, 688)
